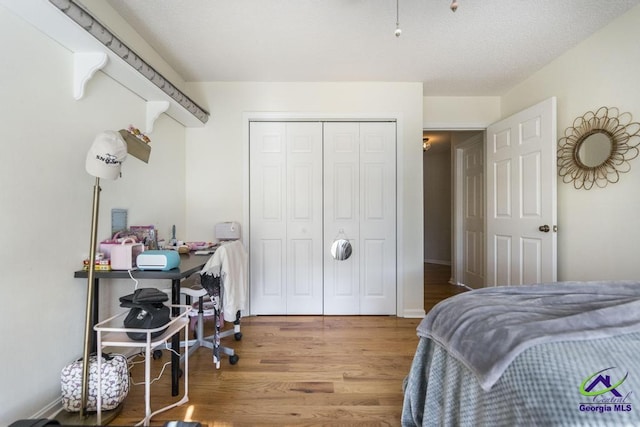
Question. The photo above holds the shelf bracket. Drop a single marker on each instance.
(70, 24)
(85, 65)
(154, 109)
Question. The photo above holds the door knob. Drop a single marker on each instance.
(544, 228)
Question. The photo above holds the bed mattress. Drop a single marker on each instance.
(544, 386)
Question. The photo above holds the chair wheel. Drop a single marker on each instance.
(234, 359)
(238, 336)
(157, 354)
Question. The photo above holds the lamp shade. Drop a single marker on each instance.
(106, 155)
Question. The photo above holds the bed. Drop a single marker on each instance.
(561, 354)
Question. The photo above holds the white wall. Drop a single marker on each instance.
(598, 231)
(460, 112)
(45, 206)
(437, 206)
(216, 154)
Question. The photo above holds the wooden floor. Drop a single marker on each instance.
(437, 286)
(298, 371)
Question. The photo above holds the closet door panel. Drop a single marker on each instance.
(304, 218)
(375, 292)
(341, 212)
(373, 268)
(344, 179)
(270, 187)
(267, 240)
(268, 266)
(373, 201)
(378, 218)
(300, 272)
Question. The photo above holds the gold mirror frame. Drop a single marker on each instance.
(624, 136)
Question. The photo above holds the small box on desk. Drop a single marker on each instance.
(158, 260)
(124, 255)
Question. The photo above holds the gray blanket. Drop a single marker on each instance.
(487, 328)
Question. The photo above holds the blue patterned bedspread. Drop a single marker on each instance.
(575, 383)
(487, 328)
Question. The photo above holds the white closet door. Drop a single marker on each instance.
(377, 218)
(285, 187)
(360, 205)
(304, 218)
(268, 224)
(342, 216)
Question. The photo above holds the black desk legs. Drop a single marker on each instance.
(95, 314)
(175, 340)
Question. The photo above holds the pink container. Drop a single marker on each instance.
(123, 256)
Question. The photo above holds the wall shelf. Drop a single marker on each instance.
(91, 55)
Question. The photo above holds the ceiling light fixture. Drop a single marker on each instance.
(398, 30)
(425, 144)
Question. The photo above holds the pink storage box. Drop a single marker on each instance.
(123, 256)
(116, 240)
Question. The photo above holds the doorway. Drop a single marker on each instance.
(443, 194)
(517, 198)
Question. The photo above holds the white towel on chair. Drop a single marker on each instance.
(230, 262)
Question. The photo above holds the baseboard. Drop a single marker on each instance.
(50, 411)
(461, 285)
(437, 261)
(54, 408)
(414, 313)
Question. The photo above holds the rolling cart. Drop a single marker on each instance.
(111, 333)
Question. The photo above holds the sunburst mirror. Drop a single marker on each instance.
(597, 148)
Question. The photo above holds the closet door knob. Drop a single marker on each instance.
(544, 228)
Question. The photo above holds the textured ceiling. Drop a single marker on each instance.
(484, 48)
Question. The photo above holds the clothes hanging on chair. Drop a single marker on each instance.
(230, 263)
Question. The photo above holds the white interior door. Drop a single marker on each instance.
(360, 205)
(285, 188)
(521, 197)
(473, 213)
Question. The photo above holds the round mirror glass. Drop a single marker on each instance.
(595, 149)
(341, 249)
